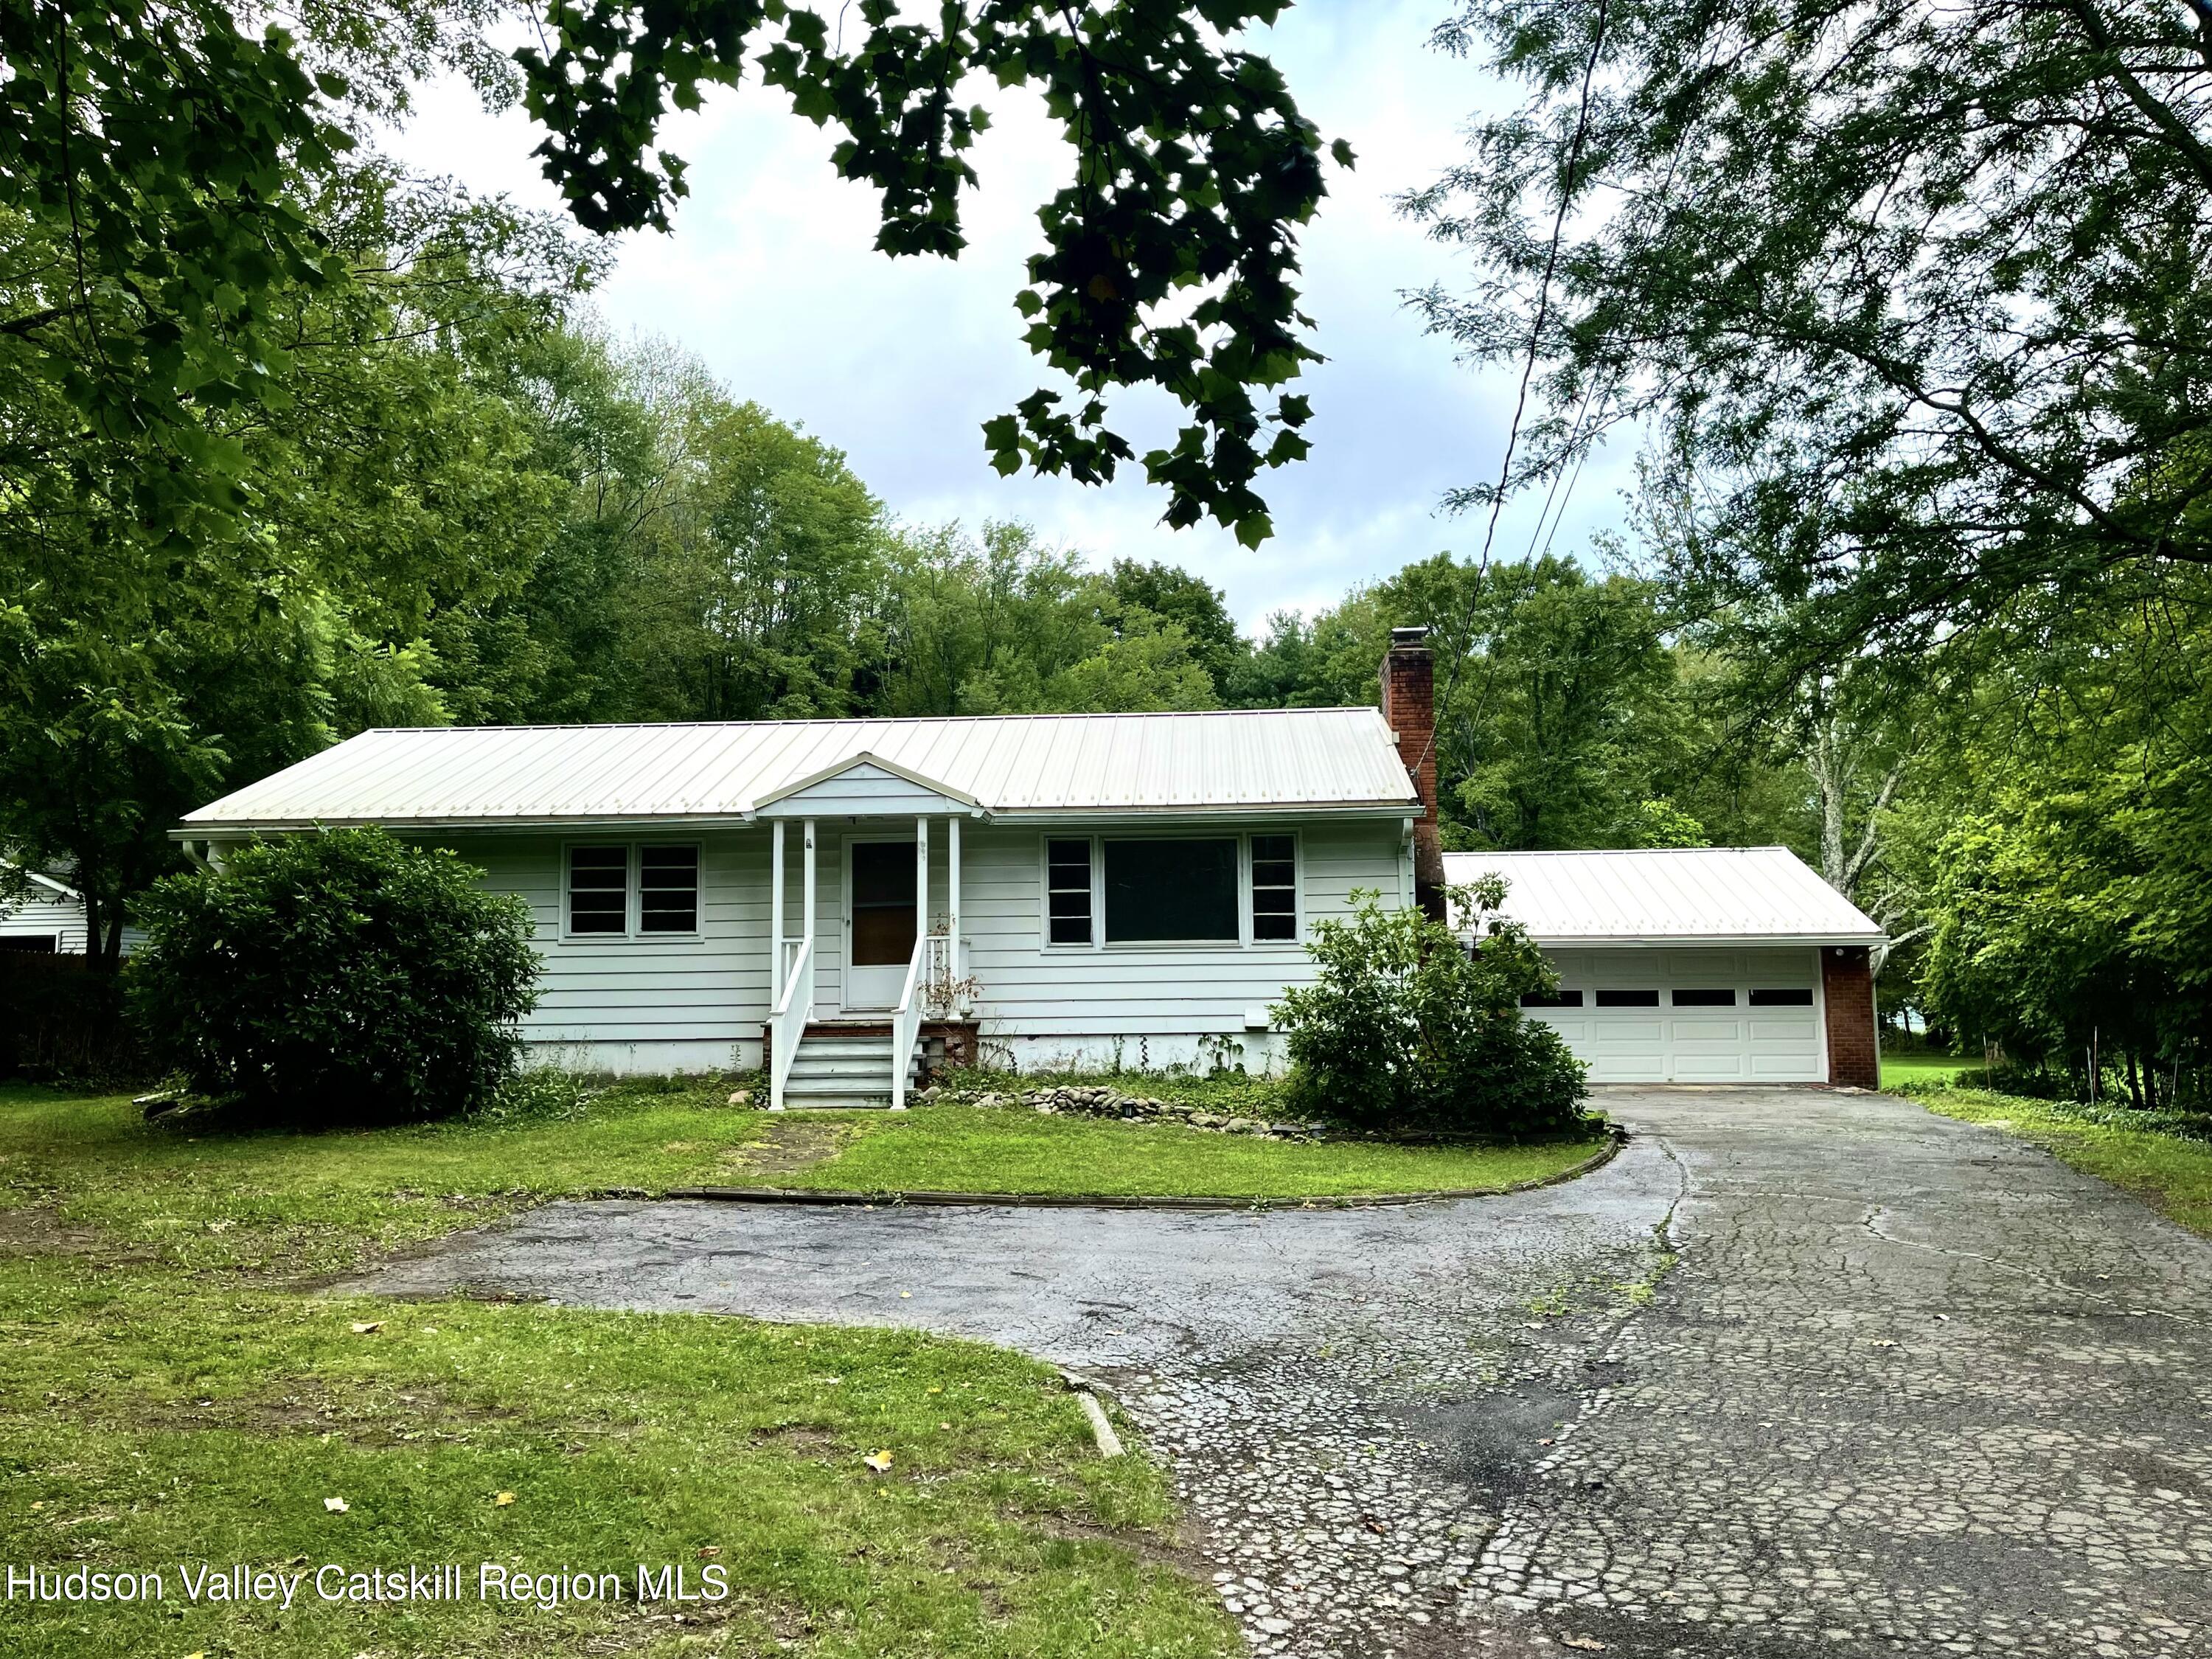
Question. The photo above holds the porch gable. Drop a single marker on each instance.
(867, 786)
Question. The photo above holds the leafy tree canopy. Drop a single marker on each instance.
(1168, 259)
(1912, 294)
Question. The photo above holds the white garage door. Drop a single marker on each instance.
(1692, 1015)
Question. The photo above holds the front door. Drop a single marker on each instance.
(880, 921)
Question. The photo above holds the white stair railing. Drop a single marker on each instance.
(788, 1021)
(906, 1022)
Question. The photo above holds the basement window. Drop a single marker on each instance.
(1787, 998)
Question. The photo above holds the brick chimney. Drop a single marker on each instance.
(1409, 709)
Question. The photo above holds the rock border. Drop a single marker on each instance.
(1616, 1138)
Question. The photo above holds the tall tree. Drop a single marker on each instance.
(1912, 294)
(139, 674)
(1169, 257)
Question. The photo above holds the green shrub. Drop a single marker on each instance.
(1406, 1029)
(336, 976)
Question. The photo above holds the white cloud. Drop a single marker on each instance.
(770, 277)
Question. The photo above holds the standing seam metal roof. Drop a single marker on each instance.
(1255, 758)
(1661, 894)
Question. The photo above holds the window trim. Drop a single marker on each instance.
(1094, 922)
(1246, 914)
(1242, 839)
(633, 931)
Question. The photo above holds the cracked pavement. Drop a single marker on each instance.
(1798, 1372)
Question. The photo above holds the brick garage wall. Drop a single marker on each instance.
(1847, 990)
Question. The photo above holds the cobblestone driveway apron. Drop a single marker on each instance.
(1798, 1372)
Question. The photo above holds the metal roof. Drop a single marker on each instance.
(1277, 759)
(1714, 895)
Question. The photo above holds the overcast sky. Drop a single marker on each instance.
(770, 278)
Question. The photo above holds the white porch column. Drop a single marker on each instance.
(920, 879)
(775, 912)
(806, 919)
(952, 896)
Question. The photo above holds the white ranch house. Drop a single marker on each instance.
(842, 901)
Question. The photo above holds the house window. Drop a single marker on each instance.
(607, 887)
(1067, 892)
(1704, 999)
(599, 890)
(1781, 999)
(1181, 891)
(1274, 888)
(668, 889)
(1628, 999)
(1556, 999)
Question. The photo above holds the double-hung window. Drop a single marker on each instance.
(599, 890)
(1274, 888)
(1161, 890)
(1067, 892)
(622, 890)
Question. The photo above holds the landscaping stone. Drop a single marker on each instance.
(1091, 1100)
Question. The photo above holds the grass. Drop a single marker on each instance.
(170, 1395)
(2171, 1172)
(948, 1148)
(1911, 1069)
(174, 1392)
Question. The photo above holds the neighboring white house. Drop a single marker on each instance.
(1710, 964)
(50, 920)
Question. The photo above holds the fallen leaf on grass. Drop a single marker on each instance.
(364, 1328)
(336, 1505)
(1586, 1644)
(709, 1551)
(502, 1499)
(880, 1462)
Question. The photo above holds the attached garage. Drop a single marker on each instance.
(1734, 965)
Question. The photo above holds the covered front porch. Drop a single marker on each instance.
(854, 1038)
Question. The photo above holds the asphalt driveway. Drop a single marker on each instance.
(1798, 1371)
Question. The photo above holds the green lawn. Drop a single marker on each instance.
(944, 1148)
(1905, 1069)
(175, 1391)
(171, 1394)
(2172, 1173)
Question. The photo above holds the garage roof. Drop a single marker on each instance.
(1243, 760)
(1670, 895)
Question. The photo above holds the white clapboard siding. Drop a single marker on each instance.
(46, 914)
(711, 988)
(716, 988)
(1027, 989)
(861, 789)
